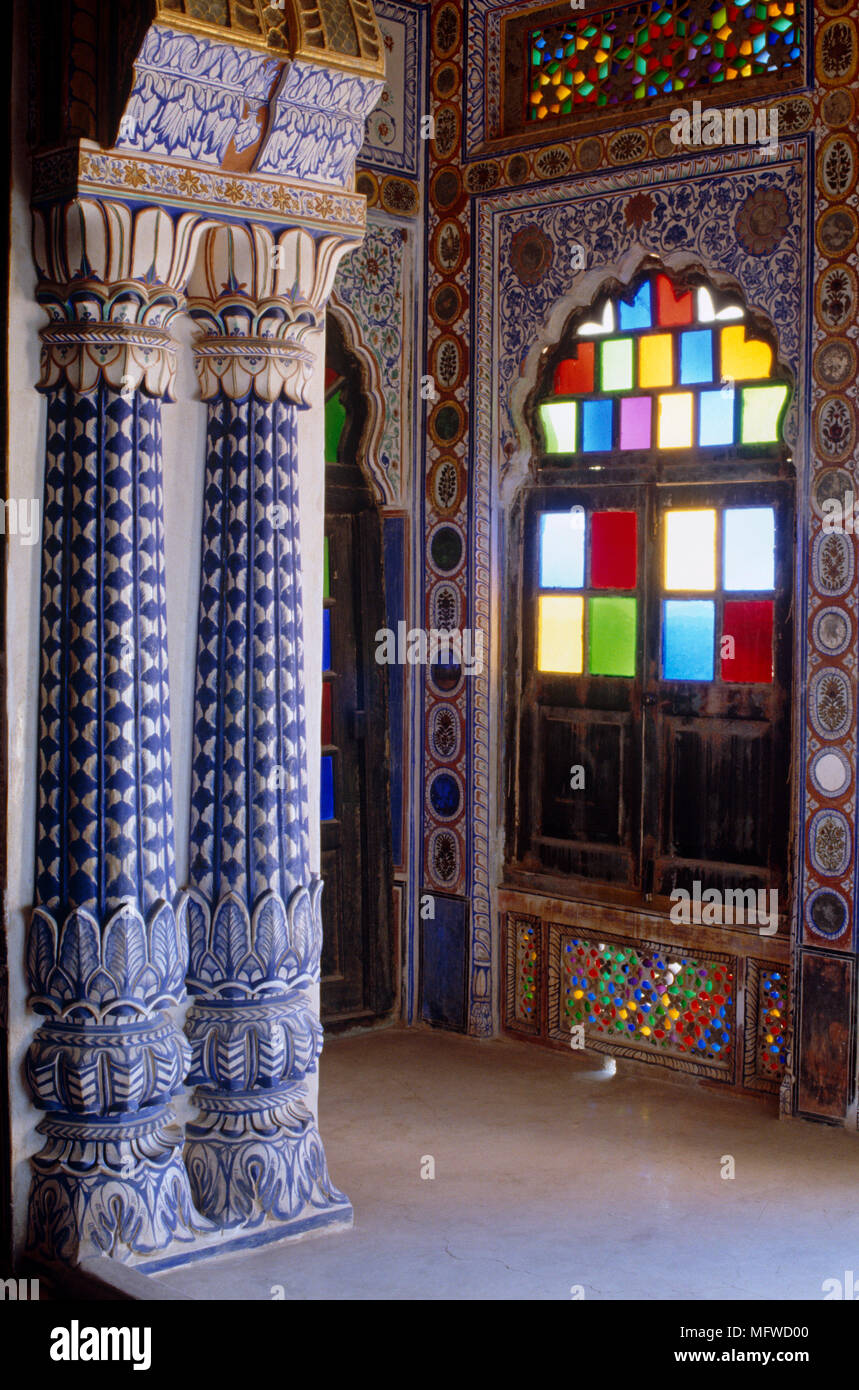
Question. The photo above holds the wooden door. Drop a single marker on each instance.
(581, 738)
(717, 785)
(357, 956)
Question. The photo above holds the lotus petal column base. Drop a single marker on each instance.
(256, 1159)
(117, 1188)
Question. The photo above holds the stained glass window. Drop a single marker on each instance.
(594, 631)
(662, 367)
(649, 51)
(695, 564)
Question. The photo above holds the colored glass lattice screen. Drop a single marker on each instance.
(587, 632)
(644, 51)
(663, 370)
(695, 563)
(648, 997)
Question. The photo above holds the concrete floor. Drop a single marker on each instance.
(551, 1174)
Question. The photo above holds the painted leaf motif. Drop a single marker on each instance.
(125, 950)
(79, 953)
(198, 932)
(270, 934)
(41, 951)
(230, 934)
(163, 952)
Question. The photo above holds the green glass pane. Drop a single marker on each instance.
(611, 643)
(616, 373)
(558, 419)
(762, 406)
(335, 419)
(326, 582)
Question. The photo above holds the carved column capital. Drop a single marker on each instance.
(258, 296)
(111, 279)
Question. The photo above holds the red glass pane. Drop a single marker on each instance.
(672, 311)
(614, 550)
(327, 736)
(575, 375)
(750, 624)
(330, 377)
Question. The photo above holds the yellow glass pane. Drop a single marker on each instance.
(674, 421)
(690, 550)
(560, 644)
(741, 360)
(656, 360)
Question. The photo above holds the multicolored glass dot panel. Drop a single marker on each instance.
(648, 997)
(526, 972)
(772, 1024)
(593, 631)
(664, 371)
(635, 52)
(727, 553)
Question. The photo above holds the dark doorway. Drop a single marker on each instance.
(357, 952)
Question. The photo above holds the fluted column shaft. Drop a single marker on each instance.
(107, 946)
(254, 1155)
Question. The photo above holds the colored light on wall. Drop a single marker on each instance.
(575, 375)
(562, 550)
(558, 419)
(742, 359)
(616, 364)
(690, 549)
(716, 417)
(688, 626)
(696, 356)
(656, 361)
(597, 426)
(614, 550)
(326, 639)
(674, 310)
(636, 414)
(335, 419)
(761, 408)
(560, 640)
(749, 623)
(638, 314)
(611, 636)
(749, 548)
(327, 722)
(326, 799)
(674, 420)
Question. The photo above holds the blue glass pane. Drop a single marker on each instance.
(638, 313)
(687, 639)
(696, 356)
(749, 540)
(716, 417)
(326, 639)
(326, 798)
(597, 426)
(562, 550)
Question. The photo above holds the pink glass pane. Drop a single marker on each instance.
(635, 422)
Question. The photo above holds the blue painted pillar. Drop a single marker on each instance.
(107, 943)
(254, 1155)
